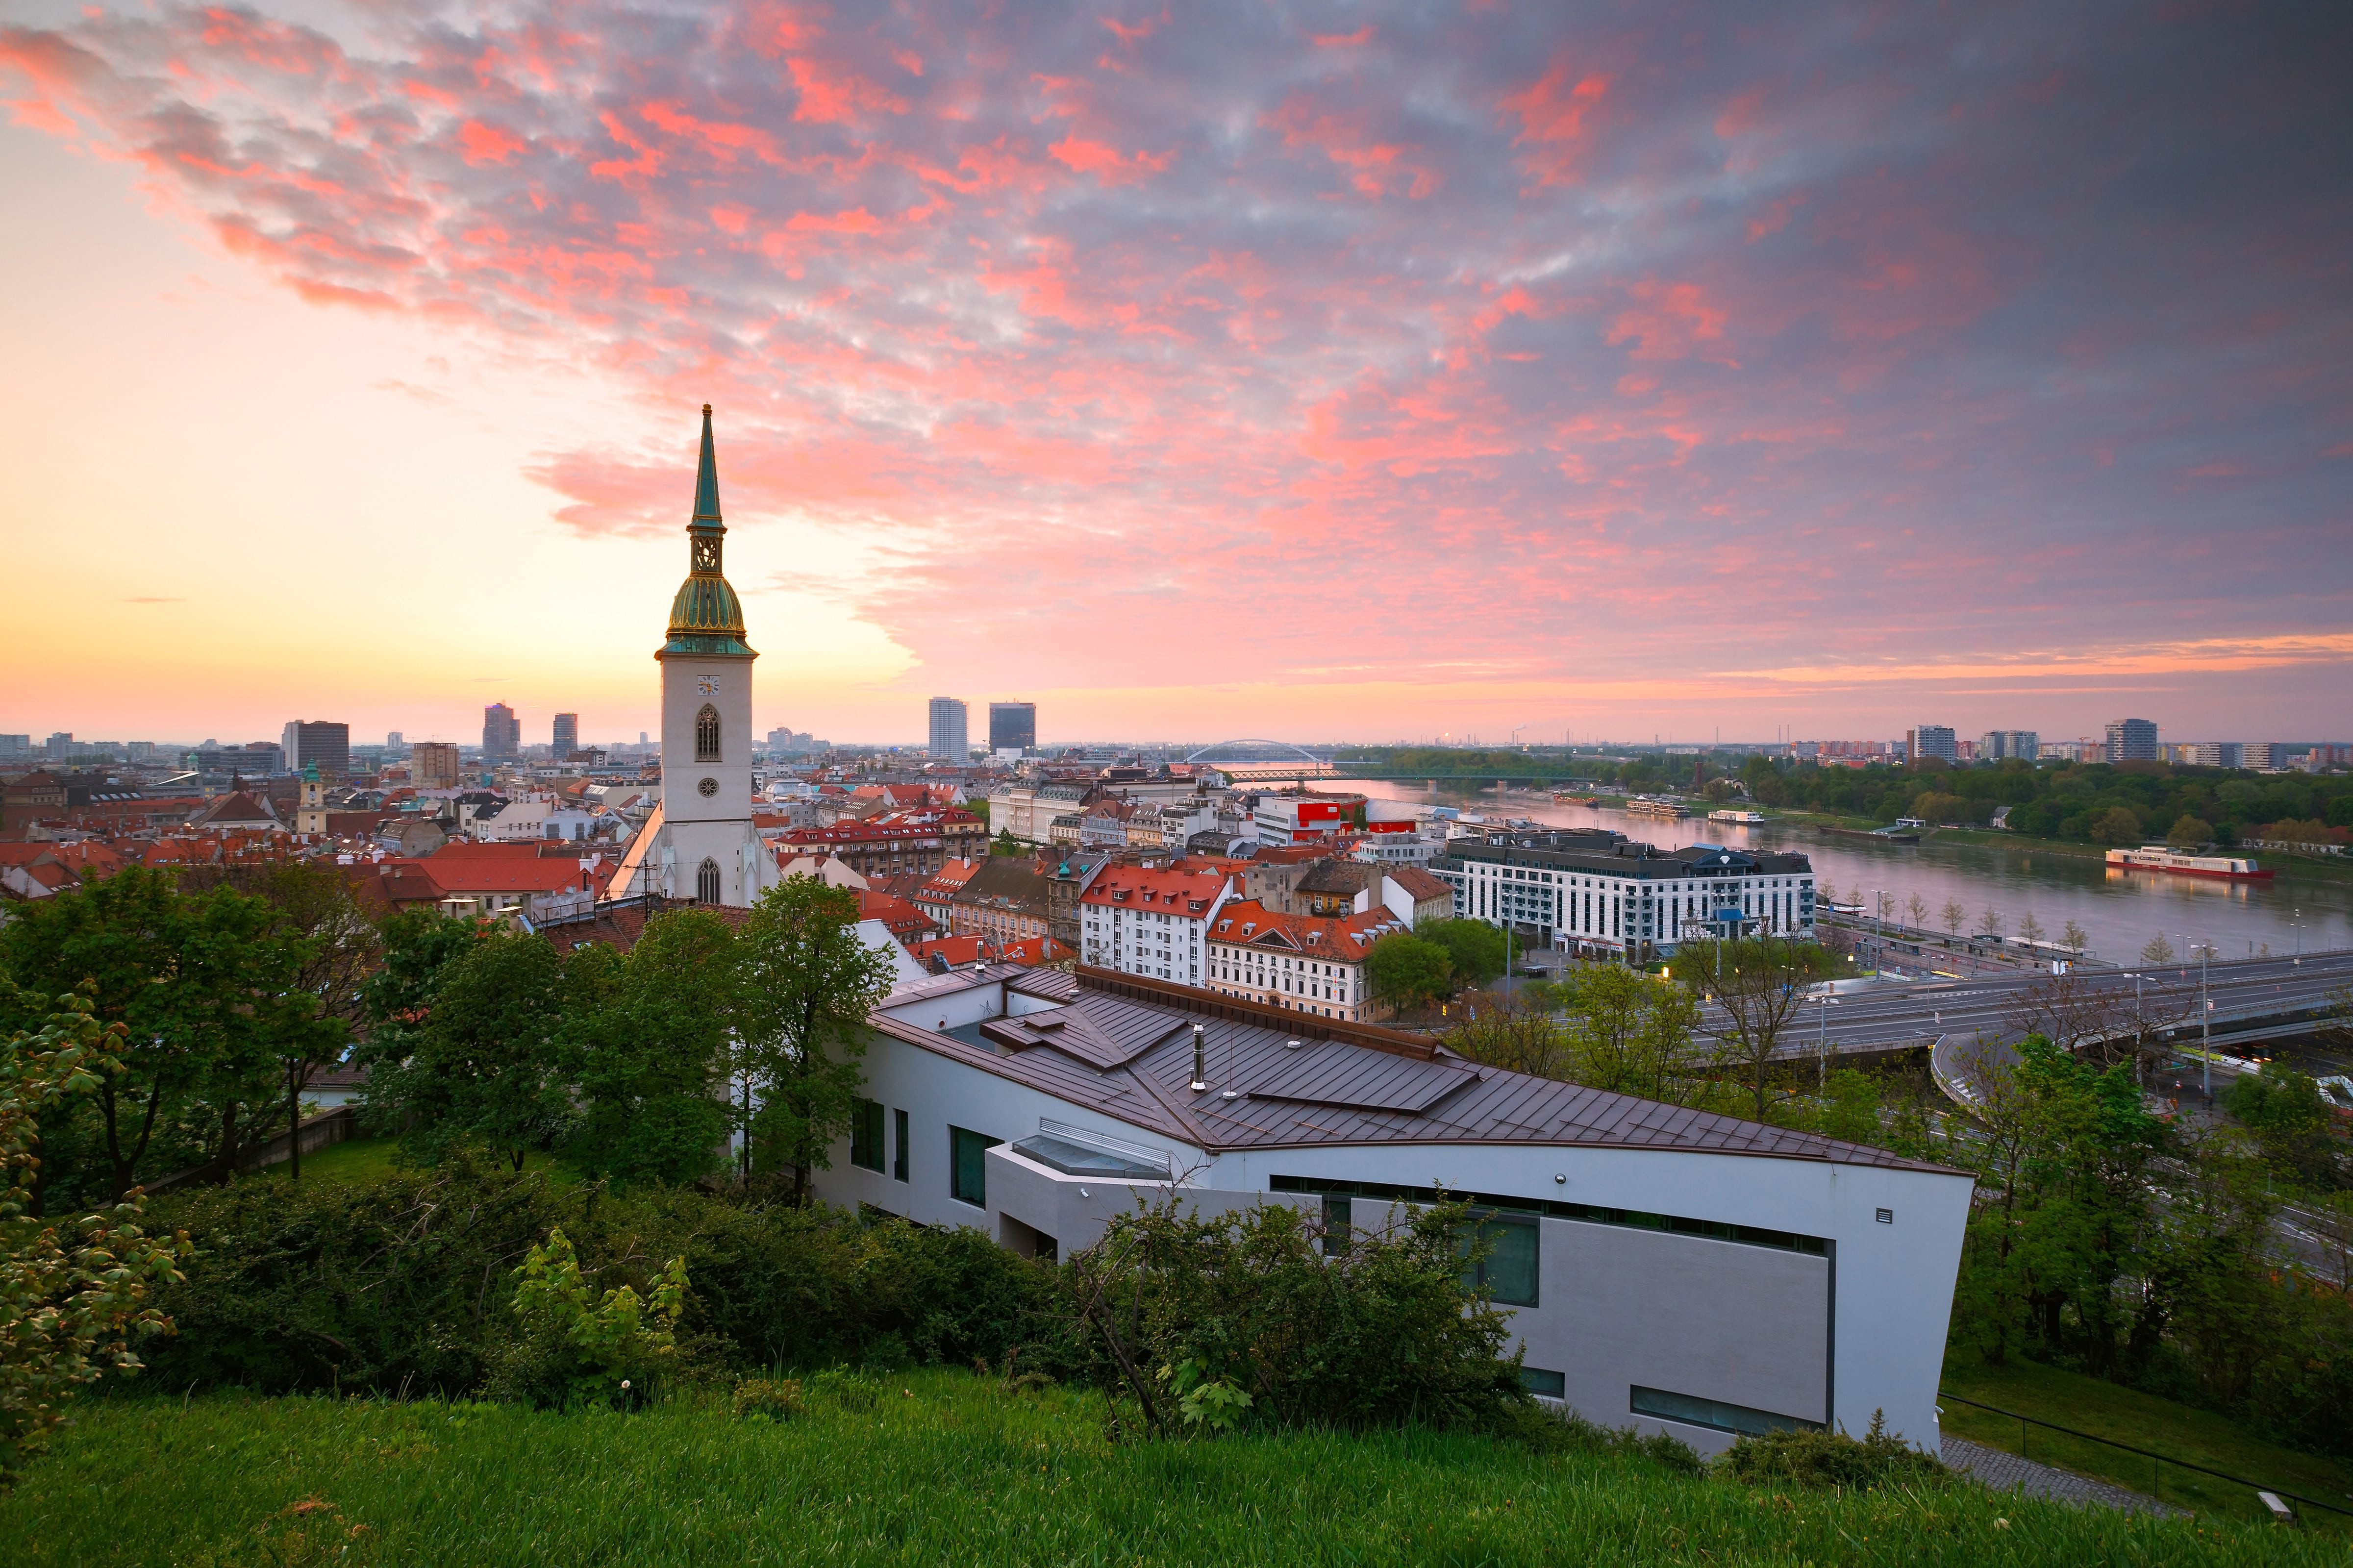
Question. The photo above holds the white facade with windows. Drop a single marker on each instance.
(1630, 901)
(1153, 923)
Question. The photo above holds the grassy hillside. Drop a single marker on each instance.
(2145, 1421)
(954, 1469)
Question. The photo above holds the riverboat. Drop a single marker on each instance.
(2173, 863)
(1728, 815)
(1566, 797)
(1653, 805)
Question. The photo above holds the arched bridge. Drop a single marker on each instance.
(1300, 752)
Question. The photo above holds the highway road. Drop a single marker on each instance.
(2251, 997)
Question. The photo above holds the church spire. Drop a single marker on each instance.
(705, 617)
(706, 480)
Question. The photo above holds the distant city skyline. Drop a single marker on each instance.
(1464, 370)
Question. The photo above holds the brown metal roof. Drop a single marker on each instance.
(1128, 1054)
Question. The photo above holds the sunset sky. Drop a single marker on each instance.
(1316, 371)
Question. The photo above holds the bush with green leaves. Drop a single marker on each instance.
(75, 1296)
(1818, 1458)
(1211, 1320)
(769, 1398)
(578, 1347)
(407, 1282)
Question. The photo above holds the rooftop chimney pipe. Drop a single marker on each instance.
(1200, 1068)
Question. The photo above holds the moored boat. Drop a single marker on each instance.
(2174, 863)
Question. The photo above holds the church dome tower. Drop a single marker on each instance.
(708, 850)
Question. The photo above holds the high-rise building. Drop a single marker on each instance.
(950, 738)
(14, 748)
(2265, 756)
(392, 740)
(317, 743)
(1996, 744)
(1012, 726)
(2212, 754)
(567, 735)
(2132, 741)
(60, 745)
(433, 764)
(501, 733)
(1930, 741)
(707, 849)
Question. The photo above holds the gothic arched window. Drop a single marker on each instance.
(706, 734)
(706, 883)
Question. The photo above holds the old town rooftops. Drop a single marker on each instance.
(1342, 938)
(1161, 890)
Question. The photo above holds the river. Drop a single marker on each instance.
(2120, 911)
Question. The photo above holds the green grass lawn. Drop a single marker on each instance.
(364, 1159)
(2145, 1421)
(956, 1471)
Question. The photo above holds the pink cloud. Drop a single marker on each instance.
(1379, 316)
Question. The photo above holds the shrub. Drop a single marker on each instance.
(1184, 1312)
(1879, 1458)
(1556, 1429)
(777, 1398)
(579, 1348)
(407, 1282)
(847, 1387)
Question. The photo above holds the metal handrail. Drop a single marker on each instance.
(2145, 1453)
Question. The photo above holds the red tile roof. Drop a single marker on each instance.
(1186, 894)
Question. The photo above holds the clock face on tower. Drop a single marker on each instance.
(707, 685)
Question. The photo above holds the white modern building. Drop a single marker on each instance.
(1601, 896)
(1664, 1269)
(1151, 921)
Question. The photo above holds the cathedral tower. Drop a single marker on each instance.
(708, 851)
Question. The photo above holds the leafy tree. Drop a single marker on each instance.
(73, 1298)
(488, 1060)
(1518, 1034)
(2293, 1124)
(1404, 971)
(206, 990)
(808, 983)
(650, 1035)
(1475, 949)
(1630, 1034)
(1757, 986)
(2156, 950)
(2117, 825)
(2189, 832)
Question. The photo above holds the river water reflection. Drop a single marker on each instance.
(2121, 911)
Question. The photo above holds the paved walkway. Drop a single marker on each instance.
(2005, 1471)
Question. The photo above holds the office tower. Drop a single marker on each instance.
(1996, 744)
(392, 740)
(60, 745)
(501, 733)
(317, 743)
(949, 737)
(433, 764)
(1931, 740)
(567, 735)
(1012, 726)
(2132, 741)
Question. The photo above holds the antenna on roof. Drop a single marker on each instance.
(1200, 1070)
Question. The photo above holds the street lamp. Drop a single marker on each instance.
(2205, 1022)
(1822, 1036)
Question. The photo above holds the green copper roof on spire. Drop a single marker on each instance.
(706, 617)
(706, 480)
